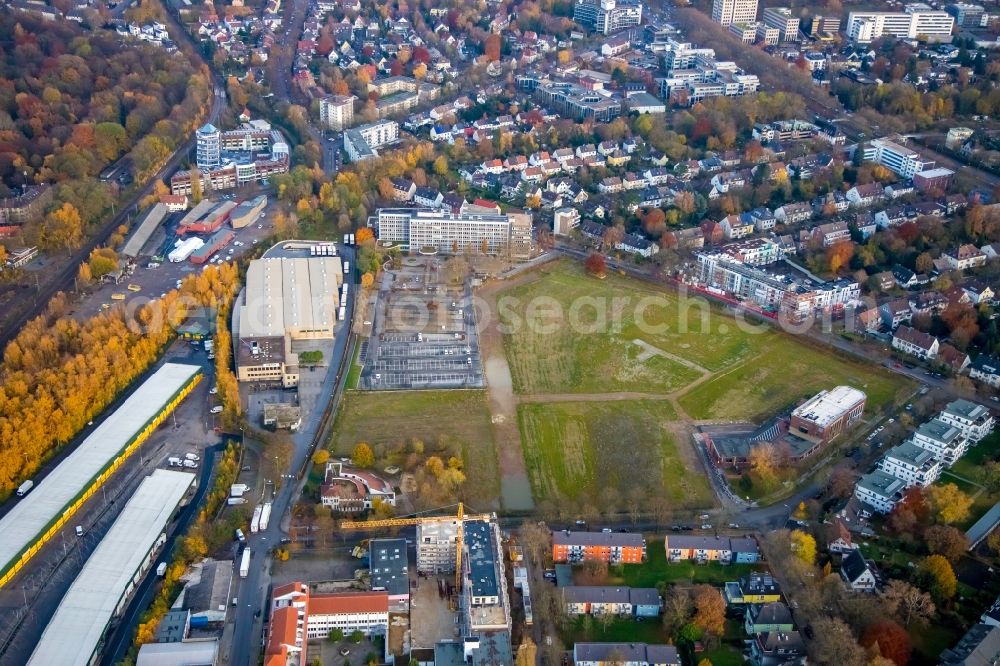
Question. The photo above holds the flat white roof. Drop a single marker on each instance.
(827, 406)
(76, 628)
(290, 295)
(33, 513)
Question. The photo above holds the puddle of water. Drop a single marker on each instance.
(515, 492)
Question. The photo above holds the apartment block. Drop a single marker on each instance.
(611, 600)
(681, 547)
(436, 543)
(945, 441)
(879, 490)
(973, 420)
(612, 547)
(912, 464)
(337, 111)
(625, 654)
(360, 142)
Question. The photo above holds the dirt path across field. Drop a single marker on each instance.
(515, 488)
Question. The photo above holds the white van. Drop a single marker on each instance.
(216, 410)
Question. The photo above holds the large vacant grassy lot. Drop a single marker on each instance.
(785, 371)
(574, 450)
(459, 420)
(553, 345)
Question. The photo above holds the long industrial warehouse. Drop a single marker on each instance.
(56, 498)
(115, 567)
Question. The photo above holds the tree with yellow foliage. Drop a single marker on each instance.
(363, 456)
(804, 546)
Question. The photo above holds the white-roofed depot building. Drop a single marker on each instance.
(35, 518)
(285, 299)
(101, 590)
(828, 413)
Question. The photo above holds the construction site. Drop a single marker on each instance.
(445, 585)
(423, 330)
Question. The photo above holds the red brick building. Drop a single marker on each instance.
(828, 413)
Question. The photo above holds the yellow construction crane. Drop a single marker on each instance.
(419, 520)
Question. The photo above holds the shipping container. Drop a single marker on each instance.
(255, 521)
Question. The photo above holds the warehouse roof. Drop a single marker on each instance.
(32, 514)
(145, 229)
(828, 406)
(290, 295)
(84, 613)
(171, 654)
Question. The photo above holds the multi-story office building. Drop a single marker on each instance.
(447, 232)
(967, 15)
(824, 25)
(608, 16)
(782, 19)
(727, 12)
(360, 142)
(208, 147)
(767, 34)
(745, 32)
(916, 21)
(484, 586)
(898, 158)
(337, 111)
(912, 464)
(828, 413)
(580, 103)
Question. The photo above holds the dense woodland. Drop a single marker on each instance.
(59, 372)
(73, 102)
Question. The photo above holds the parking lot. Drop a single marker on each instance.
(423, 332)
(152, 278)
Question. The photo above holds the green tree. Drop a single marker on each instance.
(357, 636)
(336, 635)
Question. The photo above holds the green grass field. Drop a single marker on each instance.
(459, 420)
(565, 346)
(785, 371)
(755, 371)
(573, 450)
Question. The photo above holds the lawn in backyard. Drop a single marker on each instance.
(457, 420)
(574, 450)
(587, 629)
(656, 569)
(787, 370)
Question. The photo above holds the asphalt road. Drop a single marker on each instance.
(252, 590)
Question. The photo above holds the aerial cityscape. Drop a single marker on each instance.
(499, 333)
